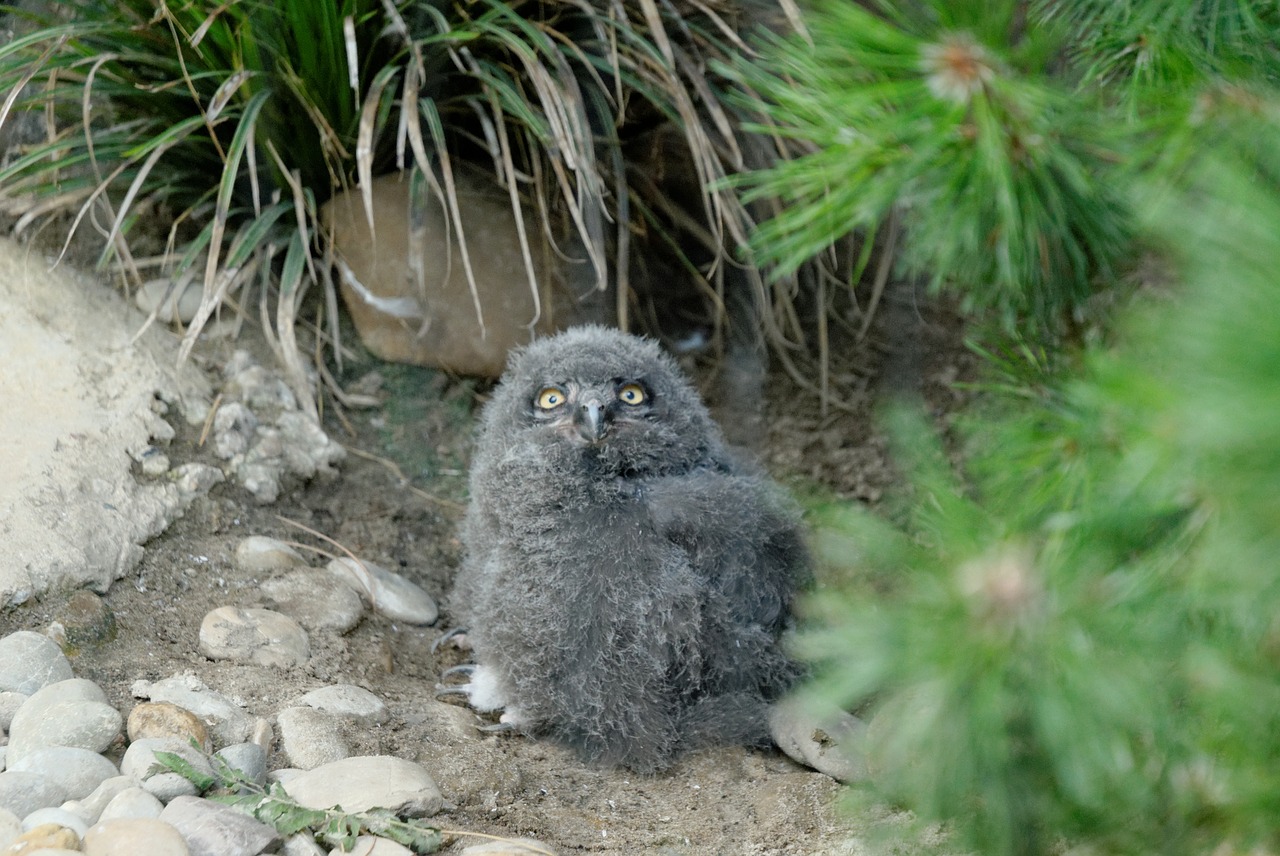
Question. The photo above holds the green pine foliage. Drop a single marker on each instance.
(1073, 643)
(948, 116)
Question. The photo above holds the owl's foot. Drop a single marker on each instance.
(483, 695)
(457, 637)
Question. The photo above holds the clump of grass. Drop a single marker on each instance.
(238, 120)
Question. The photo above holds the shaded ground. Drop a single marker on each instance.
(397, 502)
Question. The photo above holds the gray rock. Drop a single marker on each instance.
(139, 761)
(212, 829)
(86, 619)
(249, 759)
(67, 713)
(389, 593)
(227, 722)
(58, 817)
(29, 661)
(258, 636)
(260, 553)
(368, 781)
(23, 793)
(301, 845)
(827, 739)
(132, 802)
(171, 299)
(167, 787)
(9, 703)
(130, 836)
(195, 479)
(348, 701)
(91, 807)
(10, 827)
(308, 596)
(79, 771)
(310, 737)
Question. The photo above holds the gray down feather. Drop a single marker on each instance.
(628, 594)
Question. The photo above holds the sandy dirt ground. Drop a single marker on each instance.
(396, 501)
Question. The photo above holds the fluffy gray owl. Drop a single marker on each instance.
(626, 579)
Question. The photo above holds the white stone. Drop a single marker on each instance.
(132, 836)
(260, 553)
(218, 830)
(30, 661)
(132, 802)
(227, 723)
(368, 781)
(23, 793)
(79, 771)
(309, 597)
(59, 816)
(10, 827)
(389, 593)
(171, 300)
(349, 701)
(140, 757)
(91, 807)
(829, 740)
(258, 636)
(310, 738)
(9, 704)
(68, 713)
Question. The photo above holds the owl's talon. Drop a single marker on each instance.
(467, 669)
(455, 690)
(458, 636)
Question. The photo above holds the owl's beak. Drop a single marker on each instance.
(590, 422)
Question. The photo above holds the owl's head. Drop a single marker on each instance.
(617, 399)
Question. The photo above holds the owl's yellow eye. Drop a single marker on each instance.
(550, 398)
(632, 393)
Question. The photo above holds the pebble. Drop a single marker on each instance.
(368, 781)
(78, 771)
(260, 553)
(23, 793)
(165, 719)
(213, 829)
(87, 620)
(389, 593)
(195, 479)
(152, 461)
(91, 807)
(132, 802)
(9, 703)
(56, 817)
(349, 701)
(829, 740)
(308, 597)
(30, 661)
(301, 845)
(508, 847)
(140, 763)
(253, 635)
(131, 836)
(171, 300)
(310, 738)
(43, 837)
(371, 845)
(249, 759)
(64, 714)
(10, 827)
(228, 722)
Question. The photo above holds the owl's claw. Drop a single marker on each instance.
(467, 669)
(458, 636)
(499, 727)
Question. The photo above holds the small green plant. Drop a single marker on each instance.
(274, 807)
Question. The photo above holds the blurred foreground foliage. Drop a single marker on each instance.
(1070, 642)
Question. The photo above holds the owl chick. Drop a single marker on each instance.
(626, 579)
